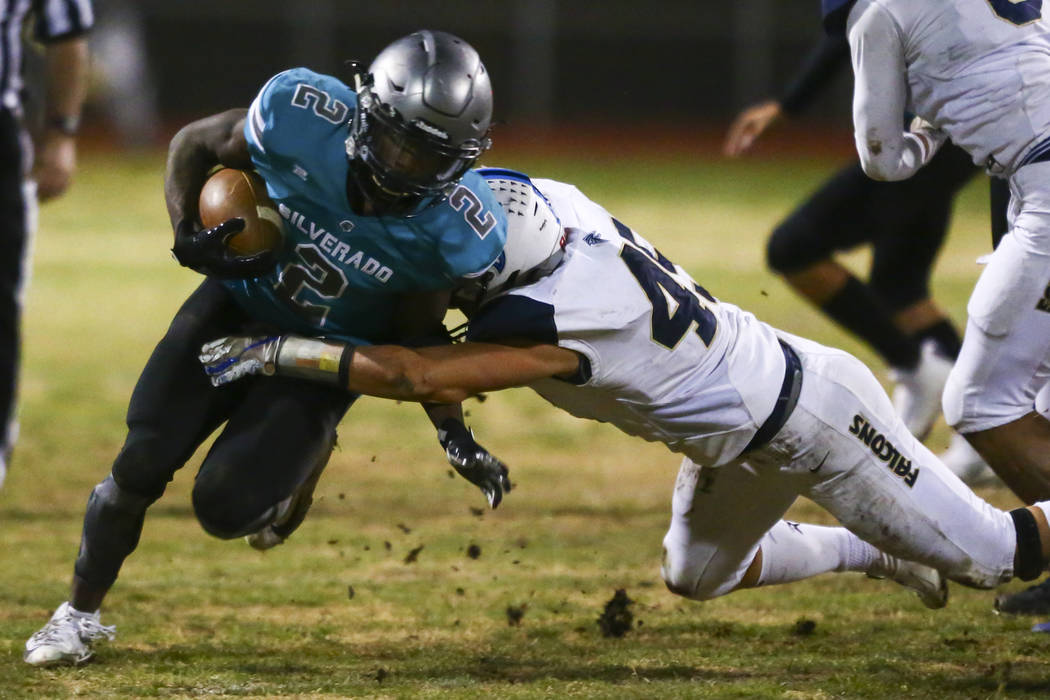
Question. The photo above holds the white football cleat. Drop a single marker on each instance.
(926, 581)
(966, 463)
(66, 638)
(917, 394)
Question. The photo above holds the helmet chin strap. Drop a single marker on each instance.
(370, 198)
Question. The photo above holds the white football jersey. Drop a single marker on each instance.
(667, 362)
(977, 69)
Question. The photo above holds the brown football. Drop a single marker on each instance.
(231, 193)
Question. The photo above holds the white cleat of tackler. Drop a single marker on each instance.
(926, 581)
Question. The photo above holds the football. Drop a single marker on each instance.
(231, 193)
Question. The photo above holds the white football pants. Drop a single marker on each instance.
(846, 449)
(1005, 357)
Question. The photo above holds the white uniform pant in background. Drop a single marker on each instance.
(846, 449)
(1005, 352)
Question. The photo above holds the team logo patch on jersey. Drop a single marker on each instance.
(882, 448)
(593, 239)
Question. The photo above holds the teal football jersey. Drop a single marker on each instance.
(339, 274)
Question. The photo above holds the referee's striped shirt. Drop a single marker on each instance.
(54, 20)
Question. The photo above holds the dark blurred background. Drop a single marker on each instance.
(620, 64)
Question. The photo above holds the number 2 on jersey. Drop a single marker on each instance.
(314, 273)
(675, 306)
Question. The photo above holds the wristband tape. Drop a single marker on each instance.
(344, 365)
(314, 359)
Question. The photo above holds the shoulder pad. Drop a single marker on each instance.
(295, 102)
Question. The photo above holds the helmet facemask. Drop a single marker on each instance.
(396, 163)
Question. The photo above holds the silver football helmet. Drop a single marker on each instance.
(422, 119)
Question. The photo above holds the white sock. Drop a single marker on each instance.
(795, 551)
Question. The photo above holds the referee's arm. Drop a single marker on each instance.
(62, 27)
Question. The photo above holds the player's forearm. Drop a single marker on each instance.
(437, 374)
(67, 71)
(886, 151)
(893, 156)
(194, 151)
(395, 372)
(384, 371)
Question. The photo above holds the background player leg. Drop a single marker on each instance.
(847, 211)
(991, 393)
(906, 223)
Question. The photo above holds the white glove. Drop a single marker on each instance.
(228, 359)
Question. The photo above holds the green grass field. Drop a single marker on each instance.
(342, 611)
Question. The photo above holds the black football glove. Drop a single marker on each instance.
(206, 252)
(473, 462)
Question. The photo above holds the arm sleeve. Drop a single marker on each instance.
(57, 20)
(821, 66)
(514, 316)
(879, 98)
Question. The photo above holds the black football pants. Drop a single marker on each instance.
(904, 221)
(277, 430)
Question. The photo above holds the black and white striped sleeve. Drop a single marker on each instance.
(57, 20)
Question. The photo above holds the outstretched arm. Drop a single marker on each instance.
(446, 373)
(442, 373)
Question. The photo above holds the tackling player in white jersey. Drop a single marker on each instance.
(610, 329)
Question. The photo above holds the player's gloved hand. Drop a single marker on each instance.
(205, 251)
(473, 462)
(228, 359)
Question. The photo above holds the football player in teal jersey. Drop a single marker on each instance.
(382, 218)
